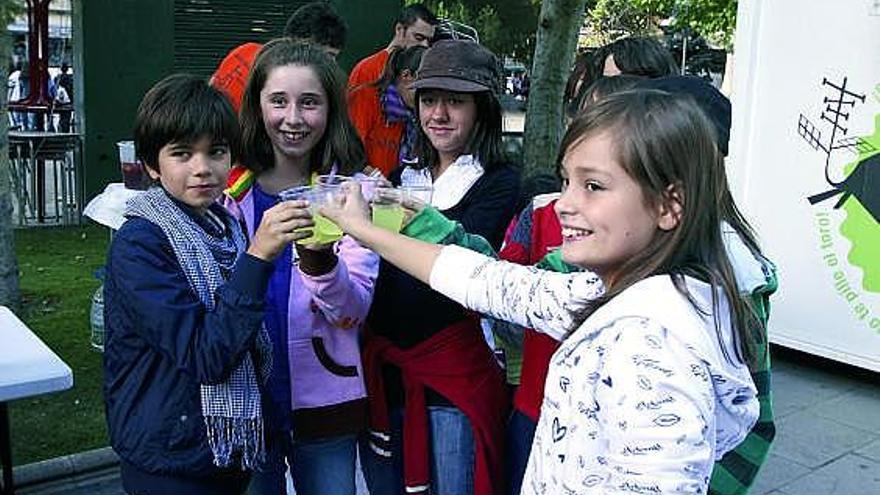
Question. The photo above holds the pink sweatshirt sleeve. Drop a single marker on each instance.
(345, 293)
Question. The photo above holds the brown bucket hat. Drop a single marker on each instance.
(459, 65)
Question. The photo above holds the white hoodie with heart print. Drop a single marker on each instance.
(643, 397)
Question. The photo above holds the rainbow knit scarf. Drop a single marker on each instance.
(240, 181)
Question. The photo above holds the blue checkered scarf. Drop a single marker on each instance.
(232, 409)
(396, 111)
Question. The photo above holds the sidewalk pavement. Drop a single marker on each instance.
(827, 443)
(828, 429)
(106, 482)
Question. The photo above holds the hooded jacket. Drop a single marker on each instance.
(648, 393)
(642, 398)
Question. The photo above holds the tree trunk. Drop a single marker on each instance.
(9, 294)
(558, 27)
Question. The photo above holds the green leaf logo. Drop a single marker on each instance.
(861, 225)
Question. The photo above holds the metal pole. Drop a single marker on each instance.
(684, 50)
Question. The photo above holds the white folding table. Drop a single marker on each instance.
(27, 368)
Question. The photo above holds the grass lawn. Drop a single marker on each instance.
(57, 283)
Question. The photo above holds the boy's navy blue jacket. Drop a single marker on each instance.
(161, 344)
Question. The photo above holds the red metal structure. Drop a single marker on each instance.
(38, 56)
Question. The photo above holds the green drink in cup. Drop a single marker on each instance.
(328, 188)
(325, 230)
(387, 210)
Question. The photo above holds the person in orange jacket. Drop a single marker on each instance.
(414, 26)
(315, 22)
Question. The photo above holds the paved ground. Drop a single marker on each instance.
(828, 439)
(107, 482)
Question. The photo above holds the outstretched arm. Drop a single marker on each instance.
(410, 255)
(523, 295)
(526, 295)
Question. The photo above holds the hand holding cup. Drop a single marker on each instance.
(282, 224)
(351, 211)
(414, 198)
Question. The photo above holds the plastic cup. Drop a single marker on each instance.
(369, 186)
(295, 194)
(331, 181)
(421, 193)
(328, 188)
(387, 211)
(134, 176)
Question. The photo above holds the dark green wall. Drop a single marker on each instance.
(370, 27)
(126, 46)
(122, 47)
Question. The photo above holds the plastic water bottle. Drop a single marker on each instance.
(96, 315)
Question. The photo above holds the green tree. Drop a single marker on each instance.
(714, 20)
(9, 292)
(507, 28)
(609, 20)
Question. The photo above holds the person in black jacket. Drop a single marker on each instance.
(184, 305)
(414, 332)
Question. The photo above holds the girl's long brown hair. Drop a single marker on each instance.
(340, 143)
(665, 141)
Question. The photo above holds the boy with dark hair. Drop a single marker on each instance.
(318, 23)
(183, 310)
(414, 26)
(315, 22)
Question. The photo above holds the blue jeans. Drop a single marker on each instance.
(271, 480)
(520, 433)
(451, 456)
(323, 466)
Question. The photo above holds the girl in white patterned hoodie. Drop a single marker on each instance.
(651, 383)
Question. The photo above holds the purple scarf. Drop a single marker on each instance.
(396, 111)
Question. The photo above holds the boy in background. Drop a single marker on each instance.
(315, 22)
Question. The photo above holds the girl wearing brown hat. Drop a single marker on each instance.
(438, 399)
